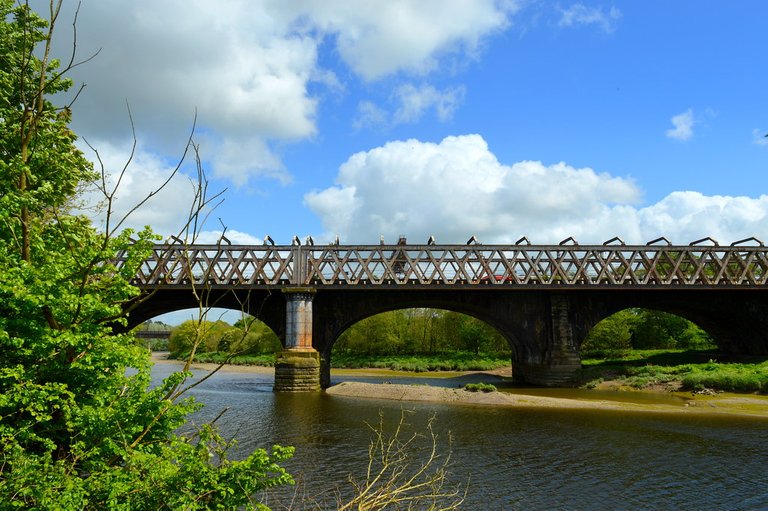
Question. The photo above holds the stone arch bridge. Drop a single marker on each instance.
(544, 299)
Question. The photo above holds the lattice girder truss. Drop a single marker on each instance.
(455, 265)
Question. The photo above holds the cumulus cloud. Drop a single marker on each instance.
(682, 126)
(380, 38)
(235, 237)
(457, 188)
(688, 216)
(580, 14)
(246, 67)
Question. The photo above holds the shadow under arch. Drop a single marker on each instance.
(268, 307)
(736, 322)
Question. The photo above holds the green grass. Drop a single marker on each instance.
(410, 363)
(696, 370)
(422, 363)
(480, 387)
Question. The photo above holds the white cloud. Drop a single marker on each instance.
(411, 104)
(759, 137)
(370, 115)
(683, 126)
(235, 237)
(458, 188)
(380, 38)
(166, 211)
(243, 72)
(688, 216)
(580, 14)
(246, 66)
(415, 101)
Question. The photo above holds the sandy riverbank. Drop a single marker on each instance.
(725, 404)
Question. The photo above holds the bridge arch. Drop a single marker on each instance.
(737, 321)
(524, 319)
(268, 307)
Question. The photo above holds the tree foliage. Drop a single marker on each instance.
(420, 331)
(78, 431)
(433, 331)
(643, 329)
(245, 337)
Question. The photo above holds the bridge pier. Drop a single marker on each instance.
(297, 368)
(556, 363)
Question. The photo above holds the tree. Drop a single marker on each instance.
(611, 337)
(77, 431)
(662, 330)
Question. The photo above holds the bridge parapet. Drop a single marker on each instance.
(426, 266)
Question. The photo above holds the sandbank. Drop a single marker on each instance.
(724, 403)
(731, 404)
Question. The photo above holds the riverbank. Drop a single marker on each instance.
(725, 404)
(622, 399)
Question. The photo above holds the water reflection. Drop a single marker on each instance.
(513, 458)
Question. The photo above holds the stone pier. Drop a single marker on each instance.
(556, 363)
(297, 368)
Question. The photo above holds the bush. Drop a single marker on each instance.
(480, 387)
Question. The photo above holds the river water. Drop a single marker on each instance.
(510, 458)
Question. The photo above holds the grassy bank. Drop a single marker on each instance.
(414, 363)
(422, 363)
(639, 369)
(218, 357)
(689, 370)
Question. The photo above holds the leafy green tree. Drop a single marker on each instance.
(661, 330)
(196, 333)
(376, 335)
(476, 337)
(251, 337)
(643, 329)
(420, 331)
(611, 337)
(78, 431)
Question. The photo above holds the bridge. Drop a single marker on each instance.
(544, 299)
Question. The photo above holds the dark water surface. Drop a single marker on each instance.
(512, 458)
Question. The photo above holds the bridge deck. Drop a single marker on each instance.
(566, 266)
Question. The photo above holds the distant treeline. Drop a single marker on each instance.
(433, 332)
(245, 337)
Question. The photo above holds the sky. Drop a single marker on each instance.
(452, 118)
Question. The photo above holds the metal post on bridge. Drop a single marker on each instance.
(297, 368)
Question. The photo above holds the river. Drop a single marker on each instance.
(510, 458)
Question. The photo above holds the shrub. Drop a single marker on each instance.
(480, 387)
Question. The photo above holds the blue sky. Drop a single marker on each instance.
(450, 118)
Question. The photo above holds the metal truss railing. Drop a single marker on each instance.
(568, 264)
